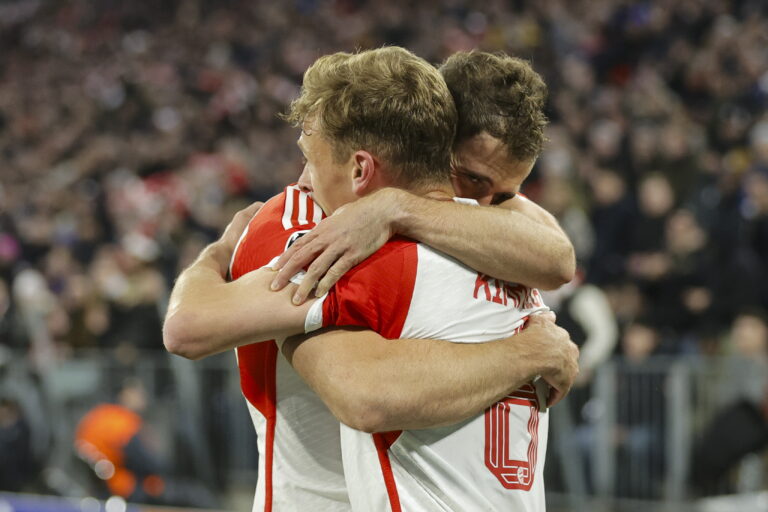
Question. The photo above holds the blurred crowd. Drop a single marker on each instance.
(130, 133)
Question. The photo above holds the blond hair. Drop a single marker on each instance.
(386, 101)
(500, 95)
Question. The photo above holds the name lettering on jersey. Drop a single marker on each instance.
(508, 294)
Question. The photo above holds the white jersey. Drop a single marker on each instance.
(300, 466)
(493, 461)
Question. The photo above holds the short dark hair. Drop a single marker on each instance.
(501, 95)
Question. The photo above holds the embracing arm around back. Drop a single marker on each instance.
(206, 314)
(375, 384)
(369, 382)
(517, 242)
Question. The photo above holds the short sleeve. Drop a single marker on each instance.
(376, 294)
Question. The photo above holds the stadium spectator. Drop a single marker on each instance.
(640, 426)
(742, 417)
(17, 463)
(109, 437)
(115, 441)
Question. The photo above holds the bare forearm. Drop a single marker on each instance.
(207, 315)
(511, 245)
(192, 323)
(374, 384)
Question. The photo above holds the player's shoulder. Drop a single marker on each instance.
(290, 209)
(377, 292)
(396, 253)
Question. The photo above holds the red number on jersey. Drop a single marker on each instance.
(512, 474)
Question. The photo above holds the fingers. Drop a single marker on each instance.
(316, 270)
(337, 244)
(549, 315)
(244, 216)
(555, 395)
(562, 380)
(545, 316)
(253, 209)
(239, 222)
(341, 267)
(294, 248)
(295, 258)
(557, 389)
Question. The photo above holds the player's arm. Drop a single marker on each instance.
(517, 242)
(375, 384)
(206, 314)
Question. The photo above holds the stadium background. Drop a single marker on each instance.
(130, 132)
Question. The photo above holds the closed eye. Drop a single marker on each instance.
(472, 177)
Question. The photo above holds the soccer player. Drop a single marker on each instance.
(489, 378)
(500, 101)
(490, 461)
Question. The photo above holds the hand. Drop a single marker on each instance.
(237, 225)
(564, 353)
(220, 252)
(337, 244)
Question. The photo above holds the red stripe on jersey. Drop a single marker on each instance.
(310, 211)
(377, 294)
(394, 328)
(265, 239)
(297, 196)
(258, 363)
(382, 447)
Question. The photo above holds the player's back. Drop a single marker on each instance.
(491, 462)
(298, 438)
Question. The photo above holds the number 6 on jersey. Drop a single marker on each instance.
(512, 473)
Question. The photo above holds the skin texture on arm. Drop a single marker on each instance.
(374, 384)
(518, 241)
(206, 314)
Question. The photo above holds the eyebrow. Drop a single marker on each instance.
(473, 174)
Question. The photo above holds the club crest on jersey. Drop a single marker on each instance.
(295, 236)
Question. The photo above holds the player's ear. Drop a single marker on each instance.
(364, 170)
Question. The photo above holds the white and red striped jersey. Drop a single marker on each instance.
(300, 464)
(493, 461)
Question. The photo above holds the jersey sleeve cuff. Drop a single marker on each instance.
(314, 319)
(296, 279)
(272, 263)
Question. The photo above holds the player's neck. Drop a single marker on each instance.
(440, 195)
(435, 191)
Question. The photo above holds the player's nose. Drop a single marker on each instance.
(305, 183)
